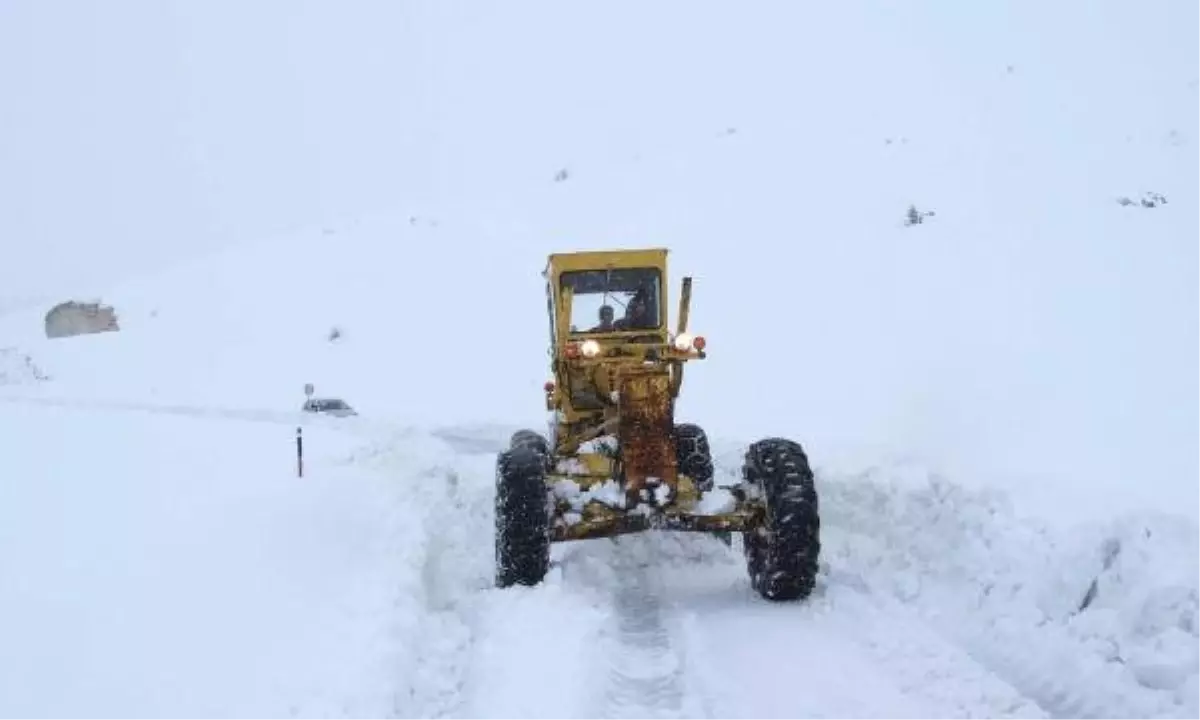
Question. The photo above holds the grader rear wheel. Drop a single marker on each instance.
(693, 458)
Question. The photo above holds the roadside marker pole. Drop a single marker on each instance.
(299, 454)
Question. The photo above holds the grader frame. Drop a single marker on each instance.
(615, 461)
(621, 385)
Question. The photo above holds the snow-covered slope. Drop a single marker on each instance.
(999, 400)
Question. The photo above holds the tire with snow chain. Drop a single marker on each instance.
(522, 518)
(532, 440)
(693, 456)
(782, 554)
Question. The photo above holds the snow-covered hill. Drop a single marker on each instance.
(999, 399)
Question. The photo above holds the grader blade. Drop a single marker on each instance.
(615, 524)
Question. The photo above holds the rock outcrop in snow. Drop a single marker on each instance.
(78, 318)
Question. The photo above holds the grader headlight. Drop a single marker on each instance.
(683, 342)
(590, 348)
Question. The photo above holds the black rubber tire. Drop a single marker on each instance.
(530, 439)
(782, 555)
(522, 518)
(693, 456)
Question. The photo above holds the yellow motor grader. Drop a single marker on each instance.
(615, 460)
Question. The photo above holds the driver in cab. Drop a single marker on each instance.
(606, 320)
(637, 314)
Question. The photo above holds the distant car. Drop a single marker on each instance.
(328, 406)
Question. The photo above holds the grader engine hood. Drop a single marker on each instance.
(644, 430)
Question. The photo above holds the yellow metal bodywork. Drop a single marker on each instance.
(627, 392)
(599, 375)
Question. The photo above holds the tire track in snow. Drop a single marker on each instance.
(645, 672)
(641, 665)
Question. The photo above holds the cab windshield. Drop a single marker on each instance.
(614, 300)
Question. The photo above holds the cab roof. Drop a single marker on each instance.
(558, 263)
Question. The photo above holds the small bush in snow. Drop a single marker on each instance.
(916, 217)
(1149, 200)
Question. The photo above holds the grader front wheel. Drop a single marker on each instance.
(532, 440)
(782, 554)
(522, 519)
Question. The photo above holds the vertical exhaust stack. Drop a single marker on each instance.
(685, 304)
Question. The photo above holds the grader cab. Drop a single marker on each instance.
(616, 461)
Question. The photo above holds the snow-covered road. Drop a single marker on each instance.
(665, 625)
(934, 602)
(169, 562)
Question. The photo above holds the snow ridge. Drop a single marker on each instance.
(1013, 593)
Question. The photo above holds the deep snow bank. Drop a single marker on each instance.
(1095, 619)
